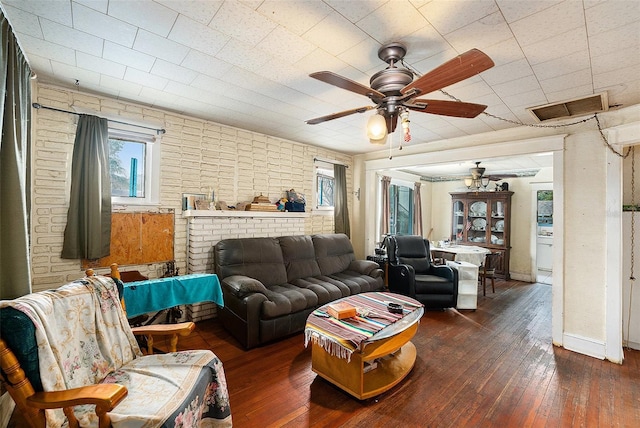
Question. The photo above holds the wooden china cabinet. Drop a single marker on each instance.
(483, 219)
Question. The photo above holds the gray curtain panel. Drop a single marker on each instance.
(15, 188)
(417, 210)
(386, 207)
(88, 231)
(340, 209)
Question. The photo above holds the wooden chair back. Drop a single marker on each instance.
(488, 271)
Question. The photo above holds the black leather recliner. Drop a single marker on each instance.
(412, 274)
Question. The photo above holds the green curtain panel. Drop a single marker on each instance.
(340, 209)
(88, 231)
(15, 189)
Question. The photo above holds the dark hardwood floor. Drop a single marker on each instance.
(493, 367)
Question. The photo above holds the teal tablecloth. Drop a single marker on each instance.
(151, 295)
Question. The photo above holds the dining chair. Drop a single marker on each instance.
(488, 271)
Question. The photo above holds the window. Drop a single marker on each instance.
(400, 210)
(134, 160)
(324, 188)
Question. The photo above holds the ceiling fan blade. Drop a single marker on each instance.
(447, 108)
(345, 83)
(459, 68)
(338, 115)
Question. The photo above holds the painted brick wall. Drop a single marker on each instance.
(196, 155)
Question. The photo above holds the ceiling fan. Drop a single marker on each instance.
(393, 90)
(477, 173)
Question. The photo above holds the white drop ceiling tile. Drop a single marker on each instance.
(447, 16)
(104, 26)
(549, 22)
(626, 57)
(621, 75)
(507, 72)
(363, 57)
(154, 45)
(464, 90)
(240, 22)
(532, 98)
(519, 86)
(392, 21)
(40, 64)
(120, 85)
(100, 65)
(43, 48)
(69, 74)
(335, 34)
(99, 5)
(569, 80)
(319, 60)
(173, 72)
(58, 11)
(431, 63)
(616, 39)
(26, 21)
(296, 16)
(424, 43)
(145, 79)
(515, 10)
(283, 44)
(203, 63)
(492, 101)
(101, 90)
(243, 55)
(563, 65)
(485, 32)
(625, 94)
(504, 52)
(277, 71)
(200, 11)
(71, 38)
(559, 46)
(612, 14)
(129, 57)
(190, 92)
(150, 16)
(354, 11)
(569, 93)
(197, 36)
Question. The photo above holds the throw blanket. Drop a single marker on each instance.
(84, 338)
(342, 338)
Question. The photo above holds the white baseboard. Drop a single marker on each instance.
(632, 345)
(6, 409)
(584, 345)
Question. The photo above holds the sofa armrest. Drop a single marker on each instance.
(366, 267)
(241, 285)
(402, 279)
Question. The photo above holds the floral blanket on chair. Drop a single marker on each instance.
(84, 338)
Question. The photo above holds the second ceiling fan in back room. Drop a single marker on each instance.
(394, 92)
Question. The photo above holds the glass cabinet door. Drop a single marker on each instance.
(497, 222)
(477, 232)
(458, 229)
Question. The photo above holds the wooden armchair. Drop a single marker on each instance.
(72, 350)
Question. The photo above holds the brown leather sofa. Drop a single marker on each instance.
(271, 285)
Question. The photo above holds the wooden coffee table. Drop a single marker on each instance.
(391, 350)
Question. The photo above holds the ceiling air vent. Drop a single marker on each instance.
(576, 107)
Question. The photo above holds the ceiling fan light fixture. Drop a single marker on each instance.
(377, 129)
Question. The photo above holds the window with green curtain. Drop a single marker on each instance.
(400, 210)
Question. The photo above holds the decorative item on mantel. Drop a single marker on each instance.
(261, 203)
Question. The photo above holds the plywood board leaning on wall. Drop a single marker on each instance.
(138, 238)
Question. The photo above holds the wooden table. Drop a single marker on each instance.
(391, 350)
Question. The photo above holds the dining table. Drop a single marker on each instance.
(465, 253)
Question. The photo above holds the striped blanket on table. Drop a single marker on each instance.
(342, 338)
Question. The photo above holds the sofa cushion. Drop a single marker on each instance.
(286, 299)
(299, 257)
(327, 289)
(259, 258)
(334, 252)
(18, 331)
